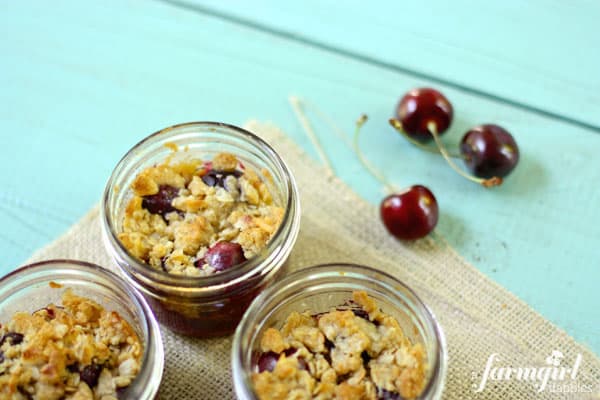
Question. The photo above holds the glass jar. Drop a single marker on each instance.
(211, 305)
(28, 289)
(323, 288)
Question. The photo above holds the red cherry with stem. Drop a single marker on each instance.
(421, 107)
(434, 125)
(411, 214)
(489, 150)
(408, 215)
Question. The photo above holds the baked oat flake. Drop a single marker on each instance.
(197, 217)
(342, 354)
(76, 351)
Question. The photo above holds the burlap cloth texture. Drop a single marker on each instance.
(478, 316)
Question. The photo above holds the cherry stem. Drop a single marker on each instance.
(305, 104)
(363, 160)
(299, 105)
(397, 125)
(493, 181)
(308, 129)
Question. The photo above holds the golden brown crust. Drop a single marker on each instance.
(225, 162)
(341, 355)
(241, 211)
(54, 344)
(285, 382)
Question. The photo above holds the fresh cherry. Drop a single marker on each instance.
(223, 255)
(419, 108)
(411, 214)
(425, 114)
(489, 150)
(160, 203)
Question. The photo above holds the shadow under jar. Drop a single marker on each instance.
(35, 286)
(209, 305)
(324, 288)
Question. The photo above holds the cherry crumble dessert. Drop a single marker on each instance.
(77, 351)
(196, 218)
(358, 353)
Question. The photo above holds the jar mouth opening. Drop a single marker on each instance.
(72, 271)
(269, 255)
(252, 324)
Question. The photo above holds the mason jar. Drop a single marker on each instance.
(324, 288)
(35, 286)
(209, 305)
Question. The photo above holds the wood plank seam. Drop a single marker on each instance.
(182, 4)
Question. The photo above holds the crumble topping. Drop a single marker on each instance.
(198, 217)
(77, 351)
(357, 353)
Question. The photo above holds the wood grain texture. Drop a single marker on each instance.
(541, 54)
(81, 83)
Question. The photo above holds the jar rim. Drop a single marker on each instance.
(151, 370)
(238, 274)
(249, 323)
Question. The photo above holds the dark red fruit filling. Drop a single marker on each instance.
(217, 178)
(360, 313)
(13, 338)
(49, 312)
(223, 255)
(383, 394)
(90, 374)
(160, 203)
(302, 364)
(73, 367)
(268, 360)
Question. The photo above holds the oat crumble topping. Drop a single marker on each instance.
(198, 217)
(77, 351)
(343, 354)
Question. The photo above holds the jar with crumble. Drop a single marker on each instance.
(338, 331)
(201, 217)
(74, 330)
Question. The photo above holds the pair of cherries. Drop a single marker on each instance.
(488, 151)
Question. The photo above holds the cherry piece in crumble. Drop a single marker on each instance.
(160, 203)
(223, 255)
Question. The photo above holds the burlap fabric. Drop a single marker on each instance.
(478, 316)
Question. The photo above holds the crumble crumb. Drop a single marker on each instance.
(77, 351)
(342, 354)
(181, 213)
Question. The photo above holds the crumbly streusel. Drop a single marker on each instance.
(77, 351)
(342, 354)
(180, 210)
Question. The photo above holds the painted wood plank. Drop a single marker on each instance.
(541, 54)
(81, 83)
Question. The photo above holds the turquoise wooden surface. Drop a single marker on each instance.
(526, 52)
(81, 83)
